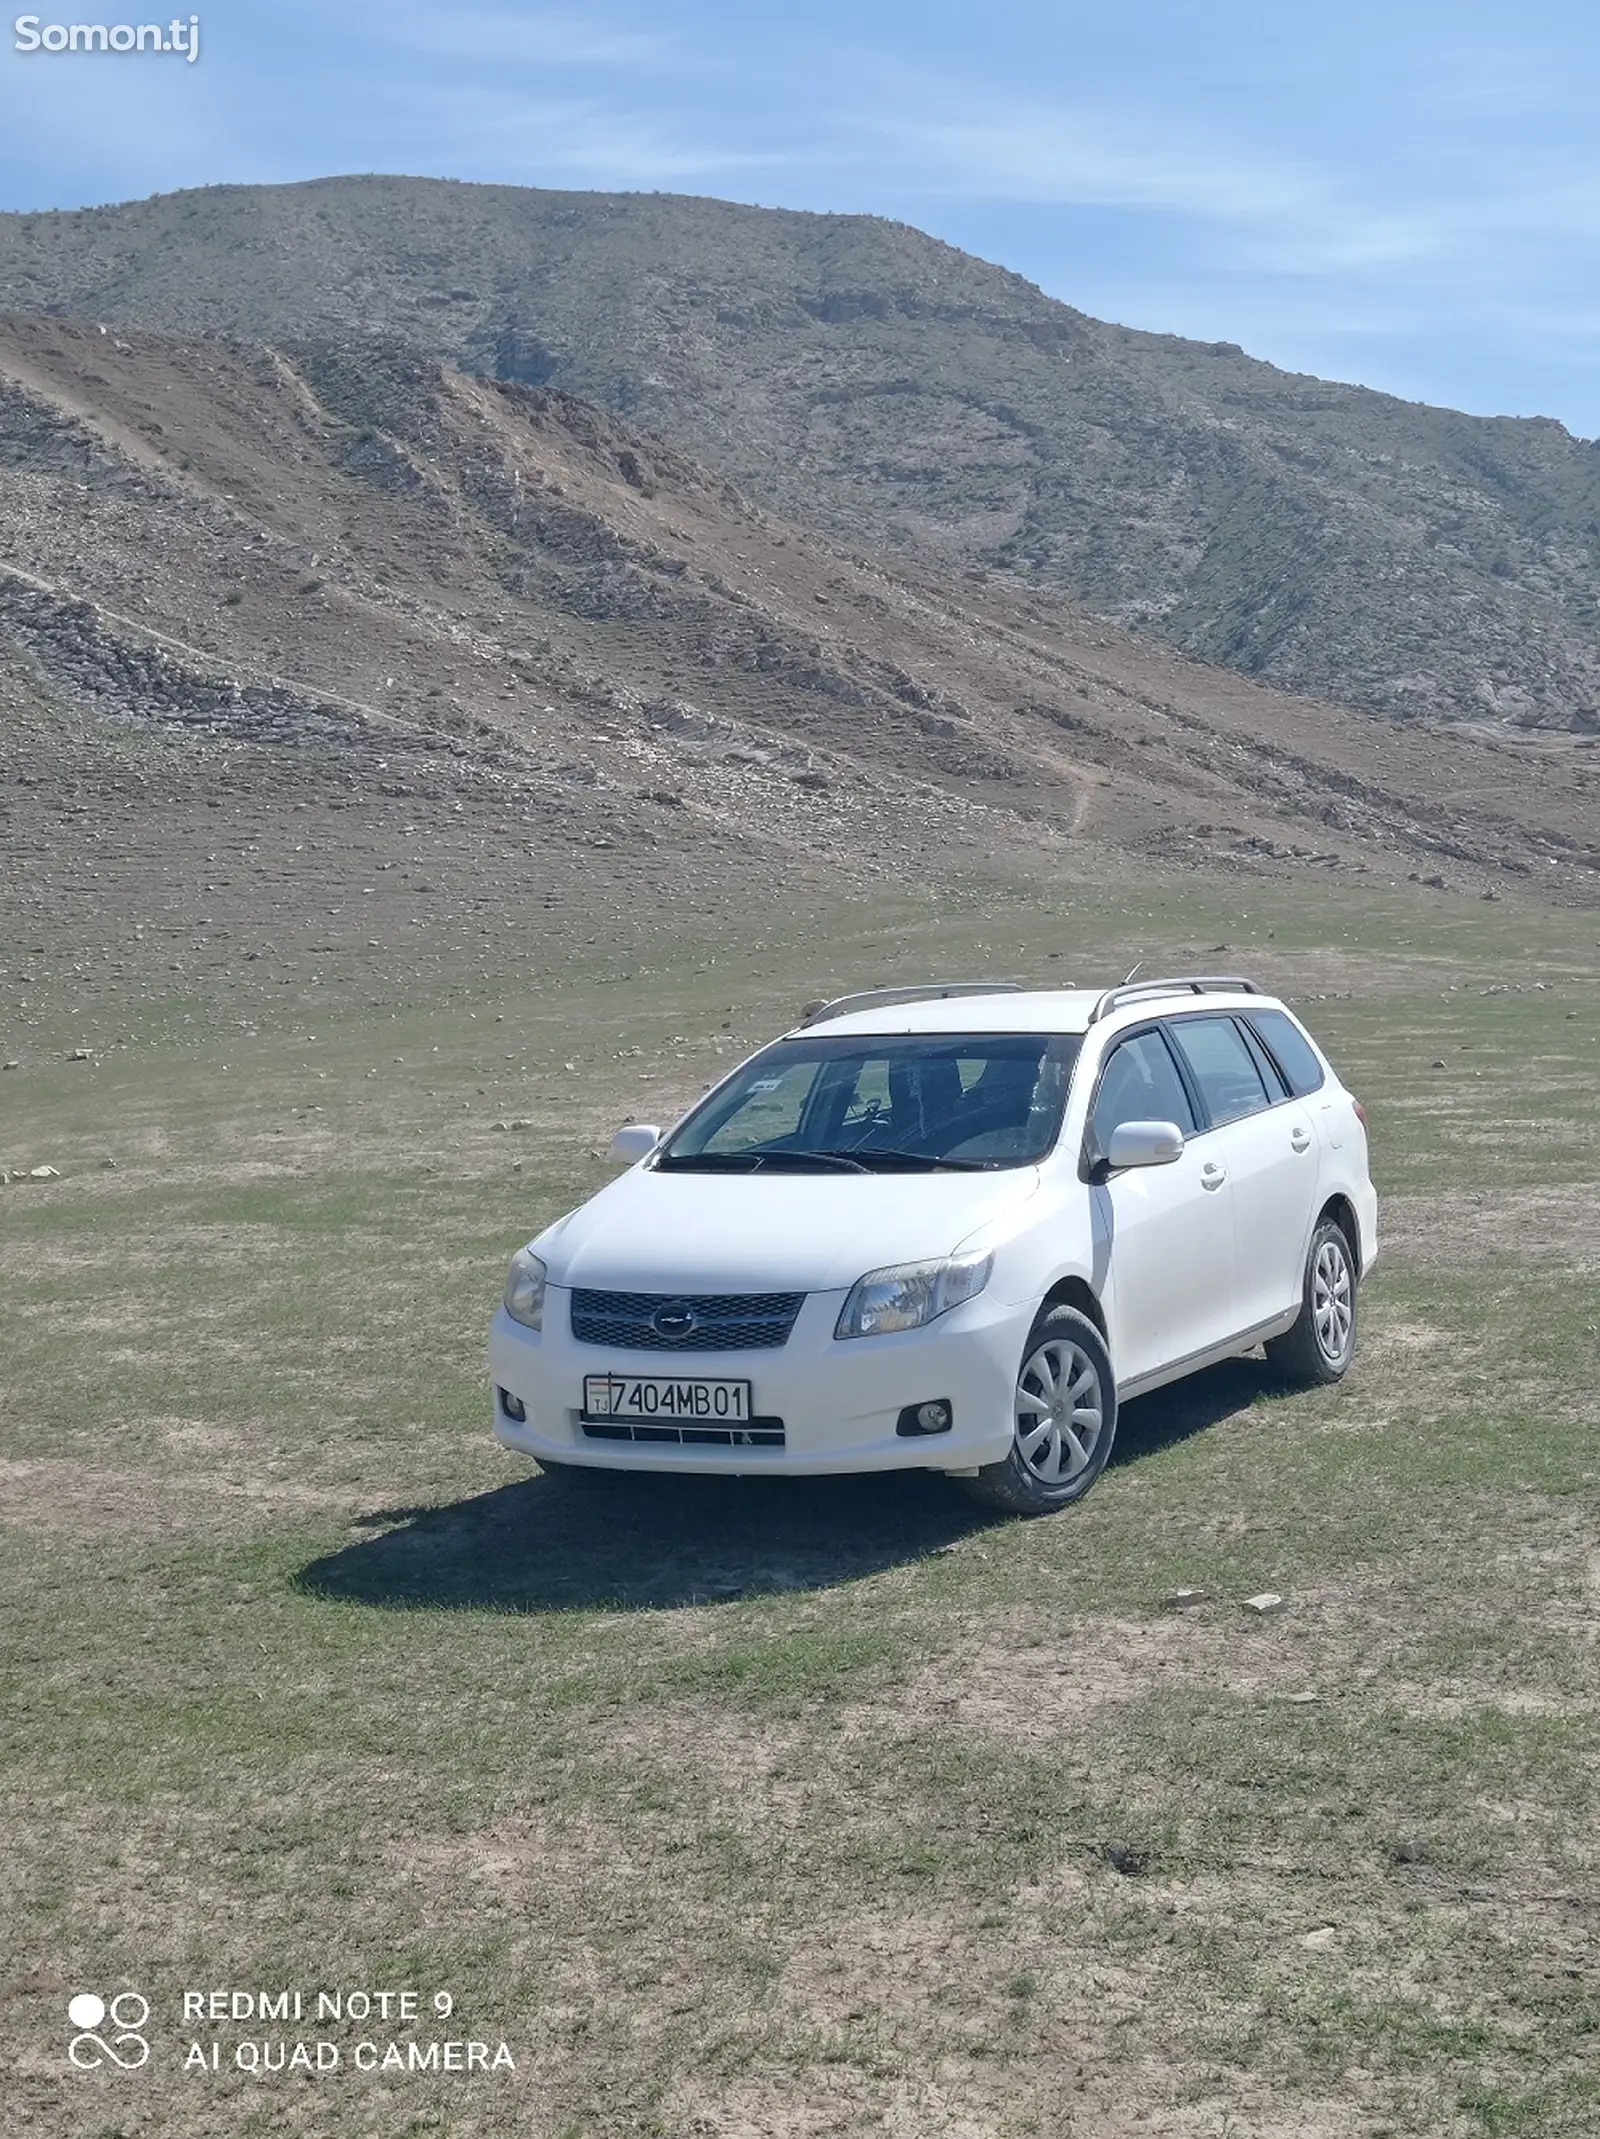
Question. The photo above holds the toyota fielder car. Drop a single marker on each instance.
(949, 1228)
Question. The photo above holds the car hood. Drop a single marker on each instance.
(698, 1232)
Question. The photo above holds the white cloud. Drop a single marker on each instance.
(510, 137)
(513, 37)
(1251, 210)
(1085, 158)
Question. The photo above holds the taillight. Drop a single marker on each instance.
(1361, 1112)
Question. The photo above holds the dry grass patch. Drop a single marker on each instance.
(1448, 1229)
(69, 1498)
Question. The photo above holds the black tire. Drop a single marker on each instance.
(1319, 1348)
(1065, 1357)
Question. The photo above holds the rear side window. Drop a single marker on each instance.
(1224, 1068)
(1290, 1049)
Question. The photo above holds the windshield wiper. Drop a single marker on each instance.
(757, 1161)
(919, 1161)
(863, 1160)
(711, 1162)
(842, 1161)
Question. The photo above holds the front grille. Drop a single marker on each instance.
(759, 1433)
(713, 1321)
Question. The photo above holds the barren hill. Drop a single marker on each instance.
(410, 582)
(863, 378)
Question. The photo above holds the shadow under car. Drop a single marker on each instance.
(641, 1541)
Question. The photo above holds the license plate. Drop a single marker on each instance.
(642, 1399)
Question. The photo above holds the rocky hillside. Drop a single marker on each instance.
(865, 379)
(341, 552)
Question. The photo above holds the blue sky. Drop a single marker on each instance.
(1405, 194)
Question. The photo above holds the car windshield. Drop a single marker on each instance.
(883, 1103)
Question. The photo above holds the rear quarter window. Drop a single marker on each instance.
(1290, 1049)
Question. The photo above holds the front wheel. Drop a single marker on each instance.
(1066, 1419)
(1322, 1343)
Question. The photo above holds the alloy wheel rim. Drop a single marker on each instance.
(1060, 1411)
(1332, 1302)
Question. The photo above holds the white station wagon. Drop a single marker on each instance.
(949, 1228)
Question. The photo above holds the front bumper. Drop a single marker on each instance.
(839, 1400)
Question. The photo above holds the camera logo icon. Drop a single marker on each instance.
(122, 2018)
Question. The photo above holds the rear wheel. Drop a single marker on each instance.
(1065, 1411)
(1322, 1343)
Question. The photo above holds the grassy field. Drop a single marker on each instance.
(841, 1808)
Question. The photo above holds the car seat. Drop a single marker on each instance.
(924, 1096)
(997, 1108)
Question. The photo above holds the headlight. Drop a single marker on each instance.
(910, 1294)
(525, 1289)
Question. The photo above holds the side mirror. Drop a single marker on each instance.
(636, 1141)
(1144, 1143)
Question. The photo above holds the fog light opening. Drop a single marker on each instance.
(936, 1416)
(513, 1407)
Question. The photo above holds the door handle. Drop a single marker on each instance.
(1212, 1175)
(1300, 1139)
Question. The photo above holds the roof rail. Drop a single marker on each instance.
(1194, 983)
(879, 998)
